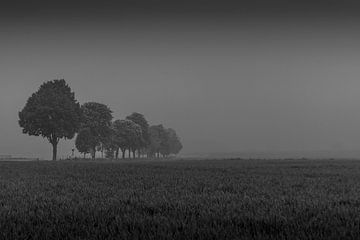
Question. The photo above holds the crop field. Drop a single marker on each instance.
(180, 199)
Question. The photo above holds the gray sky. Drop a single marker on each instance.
(227, 77)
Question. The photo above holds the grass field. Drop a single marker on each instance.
(210, 199)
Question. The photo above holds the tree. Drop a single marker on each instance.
(175, 144)
(163, 141)
(135, 138)
(127, 136)
(156, 133)
(139, 119)
(110, 144)
(97, 118)
(84, 141)
(52, 112)
(120, 137)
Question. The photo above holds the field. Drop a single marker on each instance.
(208, 199)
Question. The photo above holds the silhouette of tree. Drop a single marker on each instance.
(110, 145)
(139, 119)
(84, 141)
(156, 139)
(163, 141)
(97, 118)
(175, 144)
(52, 112)
(128, 136)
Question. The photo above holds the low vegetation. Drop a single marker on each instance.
(213, 199)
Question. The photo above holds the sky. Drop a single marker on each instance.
(227, 76)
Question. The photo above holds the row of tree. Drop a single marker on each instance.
(53, 113)
(133, 134)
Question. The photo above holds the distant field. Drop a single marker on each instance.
(215, 199)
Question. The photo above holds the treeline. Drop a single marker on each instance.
(53, 113)
(133, 135)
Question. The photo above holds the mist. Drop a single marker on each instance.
(228, 77)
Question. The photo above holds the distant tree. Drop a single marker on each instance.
(139, 119)
(52, 112)
(156, 133)
(120, 137)
(175, 144)
(127, 136)
(97, 118)
(165, 148)
(84, 141)
(154, 142)
(163, 141)
(135, 138)
(109, 144)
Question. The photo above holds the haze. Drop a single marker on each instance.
(228, 77)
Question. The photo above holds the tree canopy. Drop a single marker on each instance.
(156, 138)
(128, 135)
(163, 141)
(139, 119)
(84, 141)
(97, 118)
(52, 112)
(174, 142)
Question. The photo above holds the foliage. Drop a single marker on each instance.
(52, 112)
(142, 122)
(121, 131)
(170, 143)
(174, 142)
(109, 144)
(97, 118)
(157, 133)
(84, 141)
(213, 199)
(163, 141)
(128, 135)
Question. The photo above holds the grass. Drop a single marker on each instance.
(212, 199)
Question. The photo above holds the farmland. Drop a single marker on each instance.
(180, 199)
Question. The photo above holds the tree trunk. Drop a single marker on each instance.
(117, 153)
(139, 153)
(84, 155)
(123, 153)
(54, 144)
(93, 154)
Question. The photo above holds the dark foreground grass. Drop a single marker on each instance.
(229, 199)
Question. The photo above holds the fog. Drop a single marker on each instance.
(228, 78)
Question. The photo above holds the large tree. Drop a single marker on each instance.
(52, 112)
(139, 119)
(97, 118)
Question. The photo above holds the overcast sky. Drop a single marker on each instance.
(255, 75)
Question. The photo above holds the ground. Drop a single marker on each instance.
(180, 199)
